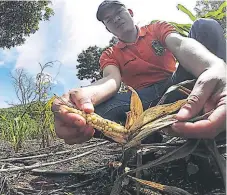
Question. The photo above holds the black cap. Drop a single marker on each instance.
(105, 4)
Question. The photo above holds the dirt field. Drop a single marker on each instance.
(91, 174)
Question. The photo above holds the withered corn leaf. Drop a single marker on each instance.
(136, 109)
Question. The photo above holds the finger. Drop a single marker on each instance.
(71, 119)
(83, 103)
(65, 132)
(84, 136)
(68, 133)
(199, 95)
(204, 128)
(64, 115)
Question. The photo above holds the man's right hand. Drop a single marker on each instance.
(70, 126)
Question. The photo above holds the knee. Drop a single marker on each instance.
(101, 109)
(206, 24)
(112, 110)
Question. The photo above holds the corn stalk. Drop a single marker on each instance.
(184, 29)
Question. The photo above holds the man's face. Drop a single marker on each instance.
(118, 20)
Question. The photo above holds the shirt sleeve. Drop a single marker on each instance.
(162, 29)
(108, 58)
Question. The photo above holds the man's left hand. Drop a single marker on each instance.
(209, 93)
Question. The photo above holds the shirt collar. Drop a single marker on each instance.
(142, 33)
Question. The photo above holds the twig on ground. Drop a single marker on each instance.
(138, 173)
(27, 189)
(174, 139)
(81, 184)
(52, 154)
(3, 181)
(52, 172)
(3, 166)
(147, 191)
(25, 168)
(127, 193)
(178, 143)
(147, 150)
(220, 161)
(39, 150)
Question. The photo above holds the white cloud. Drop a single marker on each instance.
(148, 10)
(80, 29)
(2, 63)
(41, 46)
(31, 52)
(8, 55)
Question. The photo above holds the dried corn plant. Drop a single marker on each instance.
(138, 121)
(139, 125)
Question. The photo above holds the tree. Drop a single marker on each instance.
(203, 7)
(30, 88)
(24, 86)
(88, 67)
(113, 41)
(19, 19)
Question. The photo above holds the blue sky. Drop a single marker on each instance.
(72, 29)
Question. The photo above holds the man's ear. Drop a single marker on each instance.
(131, 12)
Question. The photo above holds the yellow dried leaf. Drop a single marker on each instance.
(129, 120)
(149, 128)
(156, 112)
(136, 108)
(149, 183)
(153, 119)
(160, 187)
(117, 137)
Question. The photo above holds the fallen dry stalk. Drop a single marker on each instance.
(52, 154)
(160, 187)
(59, 173)
(25, 168)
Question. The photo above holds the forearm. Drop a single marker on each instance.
(103, 89)
(192, 55)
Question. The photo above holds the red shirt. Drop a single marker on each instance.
(146, 61)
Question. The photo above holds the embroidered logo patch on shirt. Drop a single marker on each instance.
(158, 48)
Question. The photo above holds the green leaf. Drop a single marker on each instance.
(183, 29)
(217, 14)
(153, 21)
(186, 11)
(220, 16)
